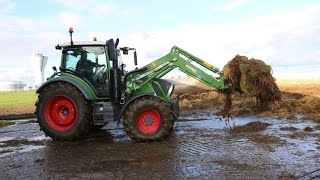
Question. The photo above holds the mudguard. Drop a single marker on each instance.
(174, 105)
(83, 87)
(131, 99)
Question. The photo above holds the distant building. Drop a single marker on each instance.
(39, 62)
(27, 88)
(12, 86)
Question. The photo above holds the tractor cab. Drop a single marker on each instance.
(91, 61)
(88, 61)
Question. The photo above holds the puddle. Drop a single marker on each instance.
(305, 144)
(39, 138)
(307, 147)
(28, 148)
(3, 139)
(285, 151)
(5, 154)
(213, 122)
(2, 149)
(25, 121)
(6, 151)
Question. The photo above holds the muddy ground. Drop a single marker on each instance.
(280, 143)
(200, 147)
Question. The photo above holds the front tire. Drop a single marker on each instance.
(148, 119)
(62, 112)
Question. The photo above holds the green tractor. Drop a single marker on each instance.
(93, 88)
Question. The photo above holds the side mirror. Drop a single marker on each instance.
(125, 51)
(135, 58)
(117, 42)
(54, 69)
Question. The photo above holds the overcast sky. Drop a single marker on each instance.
(283, 33)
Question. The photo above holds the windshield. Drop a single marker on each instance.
(91, 55)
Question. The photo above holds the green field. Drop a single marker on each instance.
(15, 99)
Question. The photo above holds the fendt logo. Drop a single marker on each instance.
(191, 68)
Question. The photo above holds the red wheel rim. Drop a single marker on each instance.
(60, 112)
(149, 121)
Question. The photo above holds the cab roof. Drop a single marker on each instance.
(81, 43)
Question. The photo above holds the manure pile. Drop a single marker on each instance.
(252, 77)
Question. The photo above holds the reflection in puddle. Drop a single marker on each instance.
(39, 138)
(3, 139)
(5, 151)
(28, 148)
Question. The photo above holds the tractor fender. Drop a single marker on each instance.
(175, 112)
(85, 91)
(131, 99)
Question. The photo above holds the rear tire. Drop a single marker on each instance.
(148, 119)
(62, 112)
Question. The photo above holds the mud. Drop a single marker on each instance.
(289, 128)
(308, 129)
(18, 142)
(27, 114)
(6, 123)
(250, 127)
(28, 121)
(296, 100)
(200, 147)
(315, 118)
(265, 139)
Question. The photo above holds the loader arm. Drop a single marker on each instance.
(177, 58)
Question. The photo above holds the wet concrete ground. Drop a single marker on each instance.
(201, 147)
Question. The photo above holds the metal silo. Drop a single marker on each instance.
(39, 63)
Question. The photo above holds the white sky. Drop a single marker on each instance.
(285, 34)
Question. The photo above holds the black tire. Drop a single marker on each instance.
(62, 112)
(158, 112)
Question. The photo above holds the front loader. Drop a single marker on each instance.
(93, 88)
